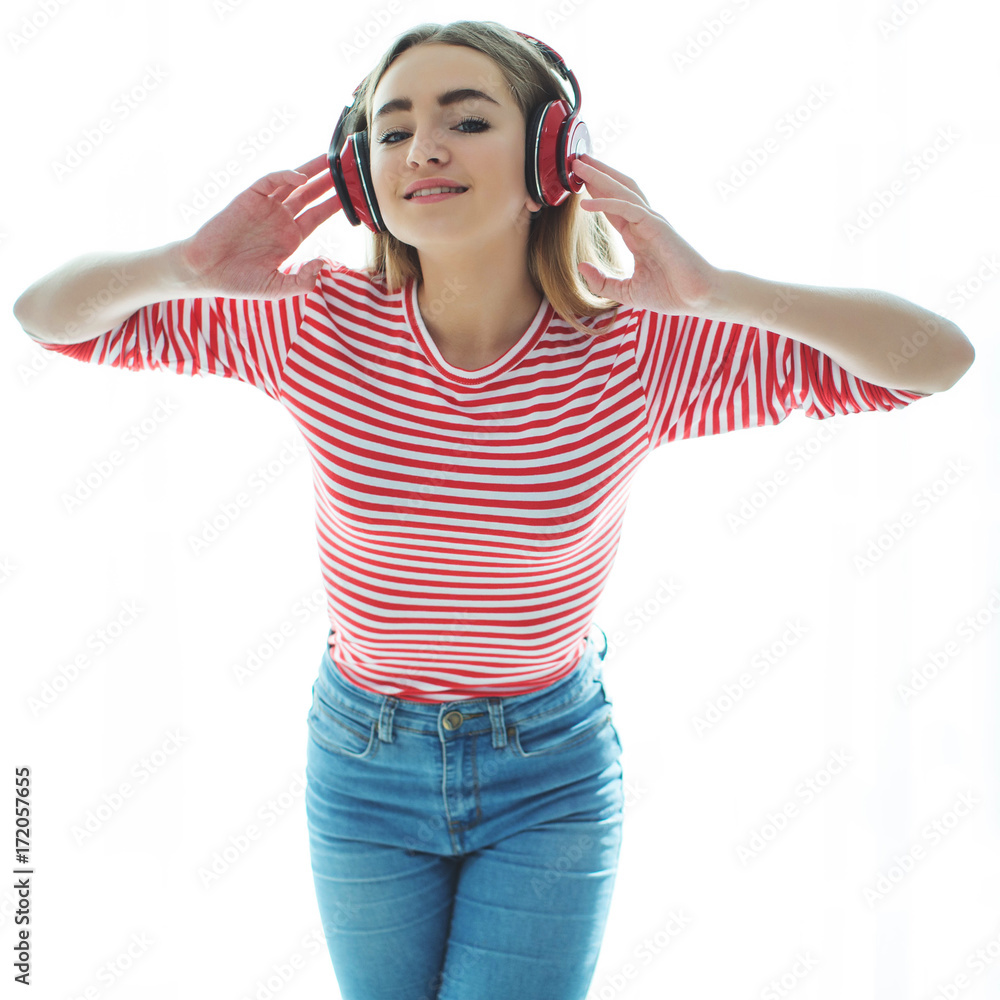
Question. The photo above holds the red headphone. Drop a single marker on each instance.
(555, 136)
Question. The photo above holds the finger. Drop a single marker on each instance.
(271, 183)
(315, 165)
(597, 282)
(279, 184)
(320, 184)
(306, 194)
(589, 159)
(616, 206)
(308, 221)
(617, 175)
(598, 178)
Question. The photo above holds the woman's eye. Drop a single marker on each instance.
(482, 124)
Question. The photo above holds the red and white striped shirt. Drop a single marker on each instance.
(468, 520)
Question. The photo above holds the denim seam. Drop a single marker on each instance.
(559, 747)
(461, 827)
(340, 722)
(370, 747)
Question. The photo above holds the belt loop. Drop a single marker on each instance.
(495, 707)
(385, 715)
(604, 651)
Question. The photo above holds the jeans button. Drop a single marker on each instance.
(453, 720)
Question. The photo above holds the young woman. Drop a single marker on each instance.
(476, 402)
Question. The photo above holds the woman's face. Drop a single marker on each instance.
(476, 143)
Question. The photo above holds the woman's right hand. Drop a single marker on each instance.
(238, 252)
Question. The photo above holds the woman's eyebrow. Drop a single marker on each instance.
(448, 97)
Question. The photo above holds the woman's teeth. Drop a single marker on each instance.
(437, 190)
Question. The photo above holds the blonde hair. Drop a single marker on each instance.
(560, 236)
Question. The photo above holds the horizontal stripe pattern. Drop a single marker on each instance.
(467, 522)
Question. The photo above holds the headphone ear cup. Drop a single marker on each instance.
(374, 220)
(341, 161)
(550, 132)
(352, 178)
(532, 153)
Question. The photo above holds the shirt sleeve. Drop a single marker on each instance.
(704, 376)
(244, 339)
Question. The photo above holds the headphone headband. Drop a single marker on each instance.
(558, 64)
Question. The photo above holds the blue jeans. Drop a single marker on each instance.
(466, 849)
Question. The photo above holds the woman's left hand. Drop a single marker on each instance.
(670, 275)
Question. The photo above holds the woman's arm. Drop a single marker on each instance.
(877, 336)
(97, 291)
(237, 253)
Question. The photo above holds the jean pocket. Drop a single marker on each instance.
(342, 732)
(561, 731)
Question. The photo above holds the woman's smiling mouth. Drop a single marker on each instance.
(435, 194)
(420, 196)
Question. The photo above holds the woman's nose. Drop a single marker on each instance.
(425, 145)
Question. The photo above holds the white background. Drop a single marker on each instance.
(695, 798)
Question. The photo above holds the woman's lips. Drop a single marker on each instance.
(437, 197)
